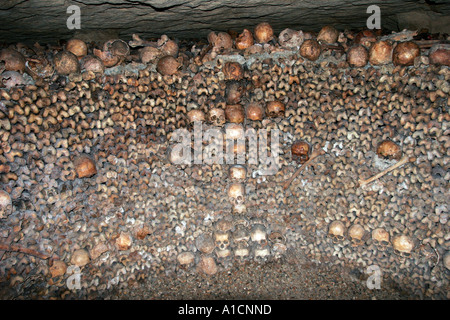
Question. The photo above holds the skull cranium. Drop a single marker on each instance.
(300, 151)
(222, 240)
(238, 172)
(336, 231)
(403, 245)
(239, 208)
(278, 244)
(241, 252)
(217, 116)
(356, 233)
(447, 260)
(258, 234)
(261, 253)
(275, 109)
(186, 259)
(5, 204)
(222, 254)
(236, 193)
(380, 238)
(196, 115)
(241, 235)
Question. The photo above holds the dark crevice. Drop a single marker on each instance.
(131, 3)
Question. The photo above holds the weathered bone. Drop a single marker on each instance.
(401, 162)
(314, 155)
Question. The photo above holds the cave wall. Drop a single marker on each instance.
(45, 20)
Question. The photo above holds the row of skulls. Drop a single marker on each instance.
(402, 244)
(238, 238)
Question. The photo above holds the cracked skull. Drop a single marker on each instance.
(336, 231)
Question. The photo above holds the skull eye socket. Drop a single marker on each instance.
(405, 254)
(384, 243)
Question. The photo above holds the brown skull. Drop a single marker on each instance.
(233, 71)
(217, 116)
(300, 151)
(275, 109)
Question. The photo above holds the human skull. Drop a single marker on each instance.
(241, 235)
(254, 111)
(196, 115)
(300, 151)
(233, 71)
(224, 225)
(275, 109)
(234, 131)
(234, 113)
(236, 193)
(261, 253)
(278, 244)
(289, 38)
(258, 234)
(217, 116)
(220, 41)
(205, 243)
(241, 252)
(221, 239)
(241, 222)
(336, 231)
(239, 209)
(186, 259)
(279, 249)
(177, 156)
(380, 238)
(276, 237)
(222, 254)
(356, 233)
(5, 204)
(124, 241)
(403, 245)
(238, 172)
(388, 149)
(234, 92)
